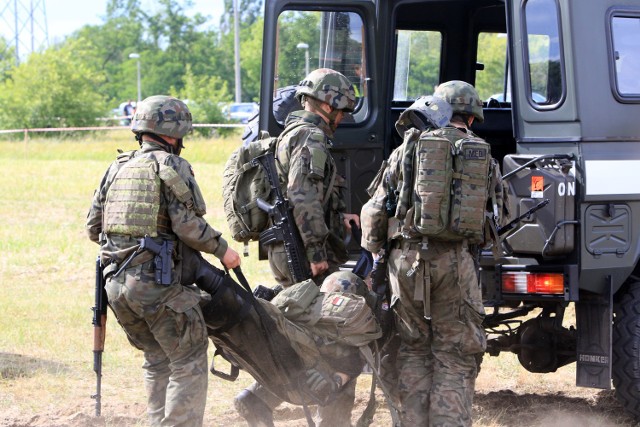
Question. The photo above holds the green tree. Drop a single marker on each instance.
(492, 53)
(204, 95)
(7, 58)
(295, 27)
(58, 87)
(424, 54)
(250, 12)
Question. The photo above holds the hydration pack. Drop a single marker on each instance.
(450, 185)
(243, 182)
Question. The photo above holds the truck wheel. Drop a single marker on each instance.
(626, 350)
(284, 102)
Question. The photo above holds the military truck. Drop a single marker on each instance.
(562, 115)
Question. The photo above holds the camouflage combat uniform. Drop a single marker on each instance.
(307, 167)
(438, 307)
(309, 179)
(316, 192)
(165, 322)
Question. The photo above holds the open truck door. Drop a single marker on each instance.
(302, 36)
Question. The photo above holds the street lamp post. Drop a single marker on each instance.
(136, 56)
(306, 56)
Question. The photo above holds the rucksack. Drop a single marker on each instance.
(341, 317)
(450, 186)
(243, 182)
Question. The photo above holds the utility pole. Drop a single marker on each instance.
(27, 22)
(236, 42)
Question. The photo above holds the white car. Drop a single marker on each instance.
(242, 111)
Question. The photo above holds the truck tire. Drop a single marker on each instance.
(284, 102)
(626, 350)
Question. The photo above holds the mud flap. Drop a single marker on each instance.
(594, 321)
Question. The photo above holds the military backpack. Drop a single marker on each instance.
(450, 184)
(243, 182)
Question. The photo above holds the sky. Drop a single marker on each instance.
(65, 16)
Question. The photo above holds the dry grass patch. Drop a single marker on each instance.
(46, 291)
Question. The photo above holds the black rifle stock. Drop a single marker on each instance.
(99, 332)
(284, 228)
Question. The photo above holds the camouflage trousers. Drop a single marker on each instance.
(335, 414)
(279, 267)
(439, 311)
(166, 323)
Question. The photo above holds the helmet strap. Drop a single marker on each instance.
(170, 148)
(330, 117)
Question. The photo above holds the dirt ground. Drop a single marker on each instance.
(501, 400)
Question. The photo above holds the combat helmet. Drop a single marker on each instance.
(162, 115)
(328, 86)
(426, 112)
(463, 98)
(344, 281)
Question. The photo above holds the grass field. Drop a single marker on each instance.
(46, 291)
(47, 276)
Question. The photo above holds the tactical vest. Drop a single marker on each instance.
(133, 206)
(450, 184)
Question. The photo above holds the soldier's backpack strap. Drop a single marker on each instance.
(327, 194)
(405, 184)
(174, 181)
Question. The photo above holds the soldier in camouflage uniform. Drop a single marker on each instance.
(309, 176)
(436, 297)
(310, 181)
(152, 191)
(257, 403)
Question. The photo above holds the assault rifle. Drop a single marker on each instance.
(99, 330)
(380, 273)
(162, 260)
(284, 228)
(514, 223)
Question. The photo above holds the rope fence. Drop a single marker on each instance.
(100, 128)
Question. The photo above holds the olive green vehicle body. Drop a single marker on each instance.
(581, 145)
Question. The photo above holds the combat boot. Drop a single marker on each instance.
(255, 412)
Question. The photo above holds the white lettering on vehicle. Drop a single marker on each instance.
(594, 358)
(569, 189)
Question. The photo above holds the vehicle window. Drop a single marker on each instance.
(626, 46)
(544, 52)
(491, 82)
(417, 64)
(308, 40)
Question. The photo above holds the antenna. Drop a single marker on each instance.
(26, 22)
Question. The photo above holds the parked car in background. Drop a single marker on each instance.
(241, 111)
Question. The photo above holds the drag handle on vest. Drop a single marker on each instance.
(99, 329)
(514, 223)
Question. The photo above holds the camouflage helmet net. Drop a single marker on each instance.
(463, 98)
(344, 281)
(328, 86)
(425, 112)
(162, 115)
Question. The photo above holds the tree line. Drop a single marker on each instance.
(89, 73)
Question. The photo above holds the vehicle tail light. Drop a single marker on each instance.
(526, 282)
